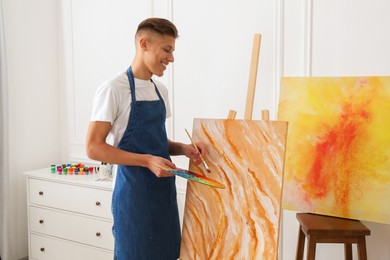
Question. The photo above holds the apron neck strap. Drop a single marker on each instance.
(130, 75)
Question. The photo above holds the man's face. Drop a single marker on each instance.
(159, 53)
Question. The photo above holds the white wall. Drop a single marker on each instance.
(60, 51)
(31, 39)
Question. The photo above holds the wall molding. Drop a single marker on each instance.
(279, 73)
(68, 76)
(308, 38)
(279, 52)
(150, 7)
(74, 146)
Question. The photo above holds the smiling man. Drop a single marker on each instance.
(127, 128)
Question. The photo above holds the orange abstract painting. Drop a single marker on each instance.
(338, 148)
(242, 220)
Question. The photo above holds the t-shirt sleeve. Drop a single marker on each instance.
(105, 104)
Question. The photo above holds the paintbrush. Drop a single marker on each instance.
(193, 176)
(200, 155)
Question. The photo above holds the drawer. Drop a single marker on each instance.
(75, 227)
(45, 248)
(75, 198)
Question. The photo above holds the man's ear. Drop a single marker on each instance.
(143, 43)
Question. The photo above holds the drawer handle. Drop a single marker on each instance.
(42, 249)
(41, 193)
(41, 221)
(98, 203)
(98, 234)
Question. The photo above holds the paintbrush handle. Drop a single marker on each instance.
(197, 149)
(194, 145)
(164, 167)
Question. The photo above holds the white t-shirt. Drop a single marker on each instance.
(112, 102)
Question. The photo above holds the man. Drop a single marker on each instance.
(130, 111)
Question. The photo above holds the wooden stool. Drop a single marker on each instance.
(325, 229)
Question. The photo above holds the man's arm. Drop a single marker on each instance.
(97, 149)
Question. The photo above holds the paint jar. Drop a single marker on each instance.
(53, 168)
(71, 170)
(104, 173)
(65, 170)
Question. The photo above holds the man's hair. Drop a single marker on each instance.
(158, 25)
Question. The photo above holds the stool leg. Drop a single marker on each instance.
(301, 244)
(348, 251)
(362, 251)
(311, 251)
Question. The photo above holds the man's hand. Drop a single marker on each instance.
(193, 154)
(158, 164)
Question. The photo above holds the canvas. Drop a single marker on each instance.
(338, 148)
(242, 220)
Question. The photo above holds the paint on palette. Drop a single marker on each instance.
(193, 176)
(241, 221)
(338, 148)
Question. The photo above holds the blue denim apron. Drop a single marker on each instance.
(144, 207)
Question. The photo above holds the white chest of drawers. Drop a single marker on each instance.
(69, 217)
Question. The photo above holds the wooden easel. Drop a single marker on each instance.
(252, 84)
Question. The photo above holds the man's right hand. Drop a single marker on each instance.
(157, 165)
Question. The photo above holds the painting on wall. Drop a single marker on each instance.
(338, 148)
(242, 220)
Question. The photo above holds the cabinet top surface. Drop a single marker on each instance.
(83, 180)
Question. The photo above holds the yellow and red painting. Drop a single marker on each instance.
(338, 148)
(242, 220)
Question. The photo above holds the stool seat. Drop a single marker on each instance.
(326, 229)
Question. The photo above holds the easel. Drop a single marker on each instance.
(239, 172)
(252, 87)
(252, 84)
